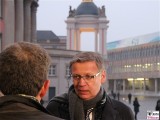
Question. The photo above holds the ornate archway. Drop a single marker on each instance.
(87, 18)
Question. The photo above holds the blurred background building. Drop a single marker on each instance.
(17, 21)
(134, 65)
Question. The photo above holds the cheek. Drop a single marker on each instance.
(98, 82)
(96, 86)
(75, 84)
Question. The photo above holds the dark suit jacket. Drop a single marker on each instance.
(112, 109)
(15, 107)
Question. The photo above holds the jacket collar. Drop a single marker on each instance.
(4, 100)
(109, 112)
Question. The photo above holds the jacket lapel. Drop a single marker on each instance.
(109, 112)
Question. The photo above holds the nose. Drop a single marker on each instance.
(82, 81)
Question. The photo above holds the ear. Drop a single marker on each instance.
(43, 90)
(103, 76)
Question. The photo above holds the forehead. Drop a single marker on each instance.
(84, 66)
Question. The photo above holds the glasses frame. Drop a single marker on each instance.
(79, 77)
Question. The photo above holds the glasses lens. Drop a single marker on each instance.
(76, 77)
(88, 77)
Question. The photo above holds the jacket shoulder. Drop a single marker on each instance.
(58, 106)
(124, 111)
(60, 98)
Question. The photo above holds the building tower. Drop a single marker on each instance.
(87, 18)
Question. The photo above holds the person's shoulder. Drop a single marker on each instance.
(122, 109)
(117, 104)
(60, 98)
(58, 105)
(158, 101)
(48, 117)
(28, 115)
(45, 116)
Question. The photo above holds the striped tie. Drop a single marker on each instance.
(89, 114)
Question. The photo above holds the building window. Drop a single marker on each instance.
(67, 71)
(52, 70)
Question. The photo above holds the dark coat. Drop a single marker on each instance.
(158, 105)
(106, 109)
(15, 107)
(136, 106)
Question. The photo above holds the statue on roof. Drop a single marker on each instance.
(102, 11)
(71, 12)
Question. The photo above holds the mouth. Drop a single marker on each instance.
(83, 92)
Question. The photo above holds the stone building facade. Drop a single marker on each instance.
(134, 65)
(17, 21)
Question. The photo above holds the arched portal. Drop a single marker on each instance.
(87, 41)
(87, 18)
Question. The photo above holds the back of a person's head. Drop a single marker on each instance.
(23, 69)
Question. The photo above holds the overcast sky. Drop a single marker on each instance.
(128, 18)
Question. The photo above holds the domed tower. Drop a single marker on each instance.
(87, 18)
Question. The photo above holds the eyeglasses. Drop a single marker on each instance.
(85, 77)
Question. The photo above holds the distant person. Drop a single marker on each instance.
(129, 98)
(86, 98)
(114, 95)
(136, 107)
(23, 82)
(158, 105)
(118, 96)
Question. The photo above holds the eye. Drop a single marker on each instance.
(76, 76)
(88, 77)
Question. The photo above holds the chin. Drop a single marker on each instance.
(84, 97)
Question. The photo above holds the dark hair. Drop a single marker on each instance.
(23, 69)
(88, 56)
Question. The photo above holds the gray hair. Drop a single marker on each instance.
(88, 56)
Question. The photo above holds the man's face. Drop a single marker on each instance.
(85, 88)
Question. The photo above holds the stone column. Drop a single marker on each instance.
(156, 86)
(34, 6)
(124, 86)
(27, 20)
(115, 84)
(73, 41)
(9, 24)
(104, 41)
(144, 86)
(133, 85)
(78, 44)
(76, 39)
(100, 41)
(96, 41)
(19, 21)
(68, 42)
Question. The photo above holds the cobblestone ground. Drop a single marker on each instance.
(146, 104)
